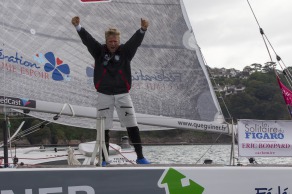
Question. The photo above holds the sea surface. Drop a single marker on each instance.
(196, 154)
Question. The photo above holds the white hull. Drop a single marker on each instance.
(34, 156)
(151, 179)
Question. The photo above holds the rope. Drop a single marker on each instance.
(72, 160)
(63, 108)
(40, 125)
(28, 131)
(122, 155)
(208, 148)
(279, 60)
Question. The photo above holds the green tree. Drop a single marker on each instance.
(262, 99)
(256, 66)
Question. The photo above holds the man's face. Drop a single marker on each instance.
(113, 43)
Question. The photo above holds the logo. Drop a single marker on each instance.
(117, 57)
(173, 180)
(161, 76)
(263, 130)
(126, 114)
(39, 69)
(90, 74)
(39, 58)
(89, 71)
(69, 189)
(140, 76)
(60, 70)
(18, 60)
(270, 190)
(24, 102)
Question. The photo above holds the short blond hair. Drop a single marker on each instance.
(111, 31)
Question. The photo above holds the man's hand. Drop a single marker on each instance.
(144, 24)
(75, 21)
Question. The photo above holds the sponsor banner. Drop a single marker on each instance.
(153, 180)
(21, 102)
(264, 138)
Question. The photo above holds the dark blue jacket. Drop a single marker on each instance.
(112, 72)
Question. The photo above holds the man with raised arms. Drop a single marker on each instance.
(112, 79)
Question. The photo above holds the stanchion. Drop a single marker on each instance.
(100, 142)
(5, 142)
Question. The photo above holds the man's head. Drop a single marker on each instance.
(112, 38)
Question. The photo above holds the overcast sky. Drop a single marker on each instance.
(229, 36)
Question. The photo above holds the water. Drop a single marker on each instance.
(196, 154)
(192, 154)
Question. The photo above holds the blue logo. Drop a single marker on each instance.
(60, 70)
(25, 101)
(89, 71)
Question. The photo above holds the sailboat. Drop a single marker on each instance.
(46, 72)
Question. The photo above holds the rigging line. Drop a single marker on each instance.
(43, 123)
(254, 14)
(265, 38)
(287, 77)
(18, 137)
(261, 30)
(30, 130)
(286, 71)
(277, 56)
(209, 148)
(128, 160)
(22, 134)
(220, 95)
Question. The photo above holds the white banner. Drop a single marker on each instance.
(259, 138)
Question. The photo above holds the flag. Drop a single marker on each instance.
(287, 94)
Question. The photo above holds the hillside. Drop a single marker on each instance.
(261, 99)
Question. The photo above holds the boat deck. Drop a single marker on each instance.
(155, 165)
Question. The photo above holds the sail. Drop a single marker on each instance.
(44, 64)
